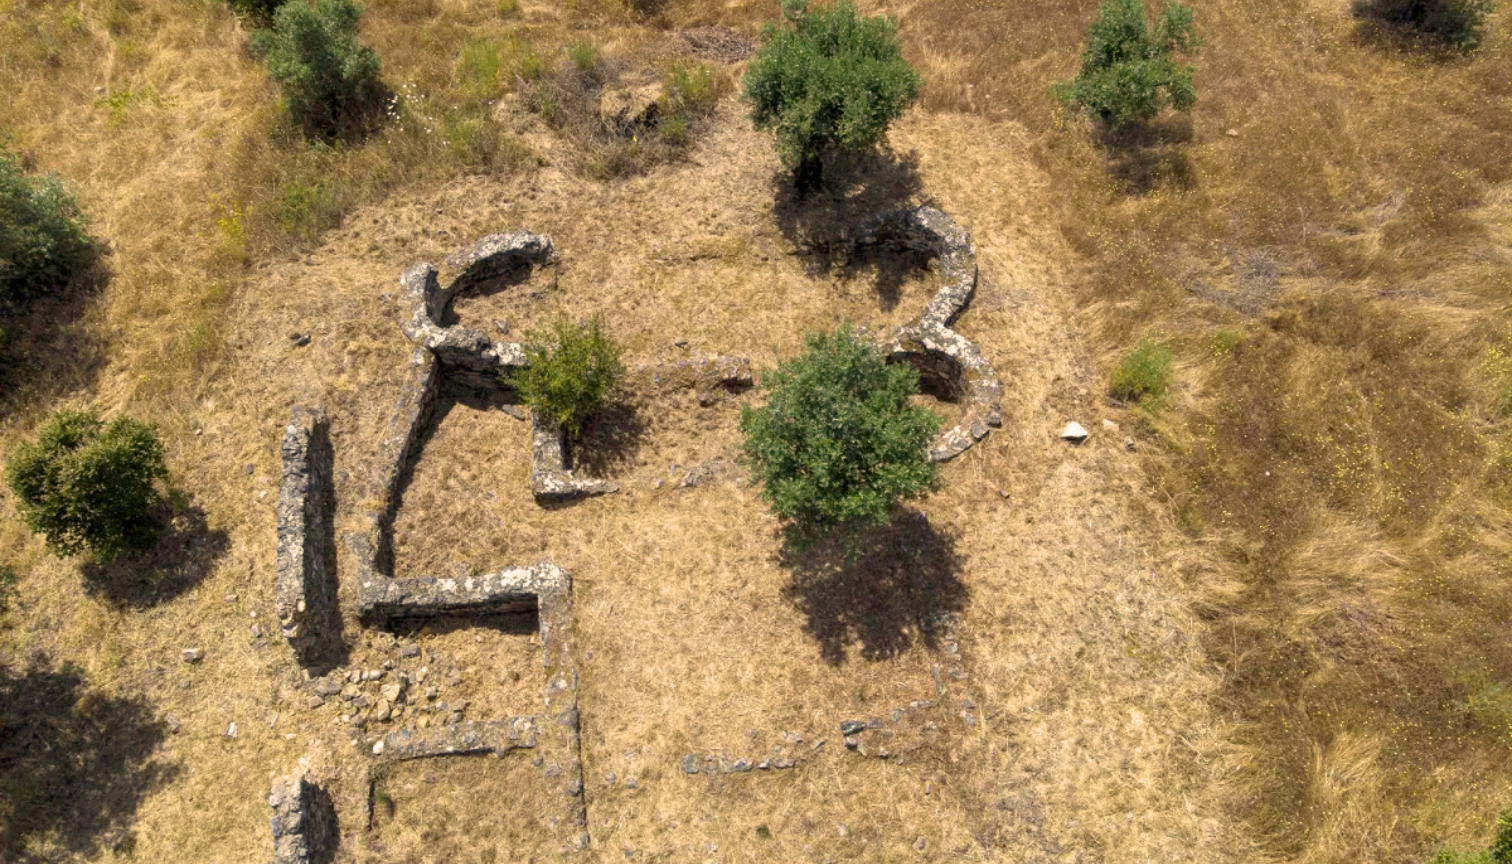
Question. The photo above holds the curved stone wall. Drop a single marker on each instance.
(950, 365)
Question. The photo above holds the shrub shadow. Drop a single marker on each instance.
(609, 441)
(46, 348)
(74, 766)
(1441, 31)
(1146, 157)
(880, 592)
(184, 555)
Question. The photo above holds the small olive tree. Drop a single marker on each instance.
(330, 80)
(839, 443)
(570, 372)
(89, 486)
(43, 243)
(1129, 71)
(829, 81)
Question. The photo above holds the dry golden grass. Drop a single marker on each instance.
(1273, 633)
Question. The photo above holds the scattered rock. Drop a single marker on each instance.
(1232, 133)
(1074, 432)
(231, 731)
(299, 339)
(1129, 444)
(173, 722)
(193, 655)
(1110, 425)
(741, 765)
(852, 742)
(690, 764)
(851, 727)
(314, 702)
(921, 844)
(256, 631)
(409, 649)
(326, 687)
(609, 779)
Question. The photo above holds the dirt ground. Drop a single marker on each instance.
(1092, 738)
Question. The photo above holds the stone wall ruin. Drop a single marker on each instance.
(304, 822)
(305, 584)
(950, 366)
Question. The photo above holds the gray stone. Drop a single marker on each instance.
(1074, 432)
(741, 766)
(550, 481)
(304, 591)
(304, 822)
(851, 727)
(326, 687)
(690, 764)
(193, 655)
(173, 722)
(314, 702)
(409, 650)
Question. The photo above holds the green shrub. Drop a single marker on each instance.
(1145, 374)
(583, 54)
(89, 486)
(829, 82)
(480, 69)
(570, 372)
(43, 243)
(1128, 73)
(839, 442)
(1499, 853)
(330, 81)
(1459, 24)
(508, 8)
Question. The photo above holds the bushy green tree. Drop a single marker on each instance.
(839, 443)
(89, 486)
(42, 238)
(1129, 71)
(570, 372)
(828, 80)
(329, 79)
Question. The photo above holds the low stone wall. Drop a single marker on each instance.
(550, 481)
(497, 737)
(514, 589)
(304, 822)
(950, 364)
(304, 587)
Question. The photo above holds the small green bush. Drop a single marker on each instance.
(839, 443)
(1459, 24)
(480, 68)
(1145, 374)
(830, 82)
(89, 486)
(43, 243)
(305, 209)
(330, 81)
(570, 372)
(583, 54)
(1499, 853)
(1129, 73)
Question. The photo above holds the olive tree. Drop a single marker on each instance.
(828, 80)
(839, 442)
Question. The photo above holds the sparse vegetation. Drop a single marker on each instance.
(89, 486)
(43, 241)
(330, 80)
(830, 81)
(1145, 374)
(1499, 853)
(838, 444)
(571, 372)
(1129, 72)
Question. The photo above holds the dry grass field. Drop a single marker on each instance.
(1273, 629)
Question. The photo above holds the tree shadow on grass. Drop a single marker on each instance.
(881, 594)
(822, 223)
(74, 766)
(610, 440)
(1147, 157)
(186, 552)
(47, 346)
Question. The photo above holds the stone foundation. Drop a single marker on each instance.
(304, 822)
(550, 481)
(304, 587)
(950, 365)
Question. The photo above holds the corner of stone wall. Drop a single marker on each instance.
(550, 481)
